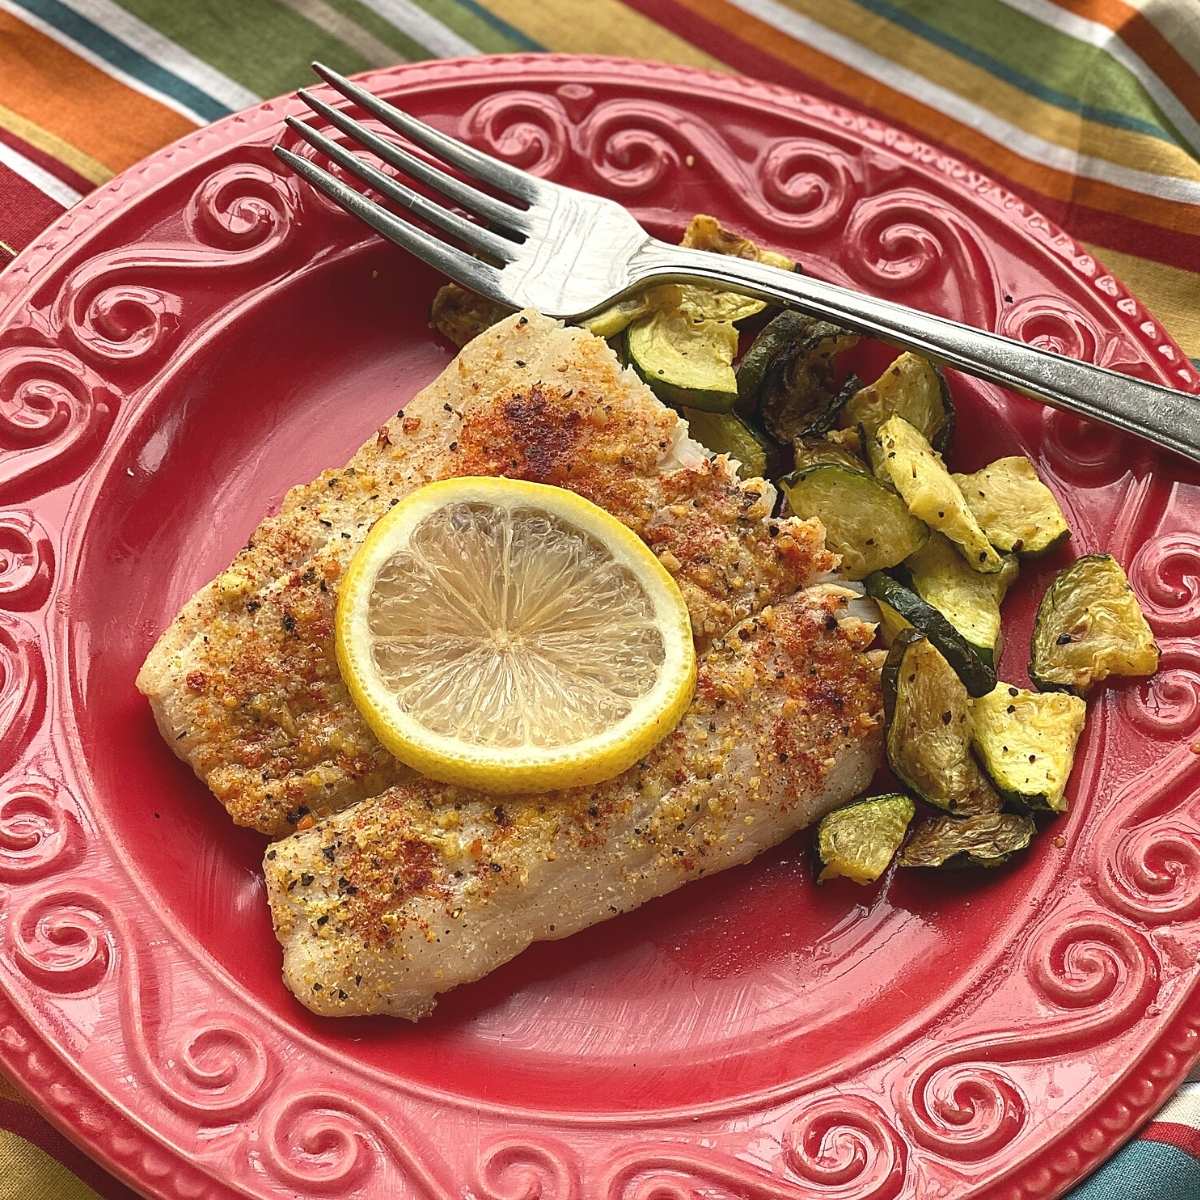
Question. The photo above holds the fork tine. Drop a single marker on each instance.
(481, 166)
(476, 237)
(461, 267)
(470, 198)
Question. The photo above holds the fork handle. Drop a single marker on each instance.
(1168, 418)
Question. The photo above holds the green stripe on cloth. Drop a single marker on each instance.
(1144, 1171)
(982, 57)
(1058, 61)
(265, 47)
(362, 28)
(490, 32)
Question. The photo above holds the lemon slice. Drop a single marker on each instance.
(511, 636)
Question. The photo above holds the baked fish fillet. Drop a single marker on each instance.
(245, 684)
(425, 887)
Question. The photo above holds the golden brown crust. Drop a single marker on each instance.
(246, 685)
(781, 705)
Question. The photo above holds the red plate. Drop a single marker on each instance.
(204, 332)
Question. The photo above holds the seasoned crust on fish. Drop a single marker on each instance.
(425, 887)
(245, 685)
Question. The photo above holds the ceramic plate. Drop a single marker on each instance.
(204, 332)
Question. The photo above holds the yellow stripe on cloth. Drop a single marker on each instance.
(598, 27)
(49, 143)
(1170, 293)
(31, 1174)
(1019, 108)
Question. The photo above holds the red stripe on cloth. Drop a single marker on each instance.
(24, 211)
(744, 57)
(1182, 1137)
(48, 163)
(1123, 233)
(26, 1123)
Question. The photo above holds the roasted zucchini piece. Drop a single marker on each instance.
(968, 600)
(790, 413)
(707, 233)
(928, 718)
(891, 623)
(768, 344)
(685, 362)
(460, 316)
(988, 840)
(865, 522)
(859, 840)
(821, 451)
(727, 433)
(912, 388)
(1089, 626)
(1016, 510)
(977, 676)
(903, 457)
(1026, 743)
(786, 376)
(608, 322)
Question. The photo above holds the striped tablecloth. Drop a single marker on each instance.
(1089, 108)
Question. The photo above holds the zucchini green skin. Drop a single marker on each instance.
(927, 719)
(859, 840)
(1016, 510)
(1026, 741)
(685, 364)
(987, 840)
(865, 522)
(770, 342)
(978, 676)
(1089, 626)
(727, 433)
(785, 377)
(968, 599)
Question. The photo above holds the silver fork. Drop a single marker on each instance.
(536, 244)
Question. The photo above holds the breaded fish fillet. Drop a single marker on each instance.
(245, 684)
(425, 887)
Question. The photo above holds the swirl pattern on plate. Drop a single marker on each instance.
(70, 367)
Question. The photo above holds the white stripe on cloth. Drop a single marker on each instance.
(1028, 145)
(41, 179)
(439, 39)
(57, 35)
(1178, 23)
(346, 30)
(159, 48)
(1183, 1108)
(1083, 29)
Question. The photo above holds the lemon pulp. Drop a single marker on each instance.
(512, 636)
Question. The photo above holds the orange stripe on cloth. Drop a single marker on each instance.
(46, 83)
(1141, 36)
(930, 122)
